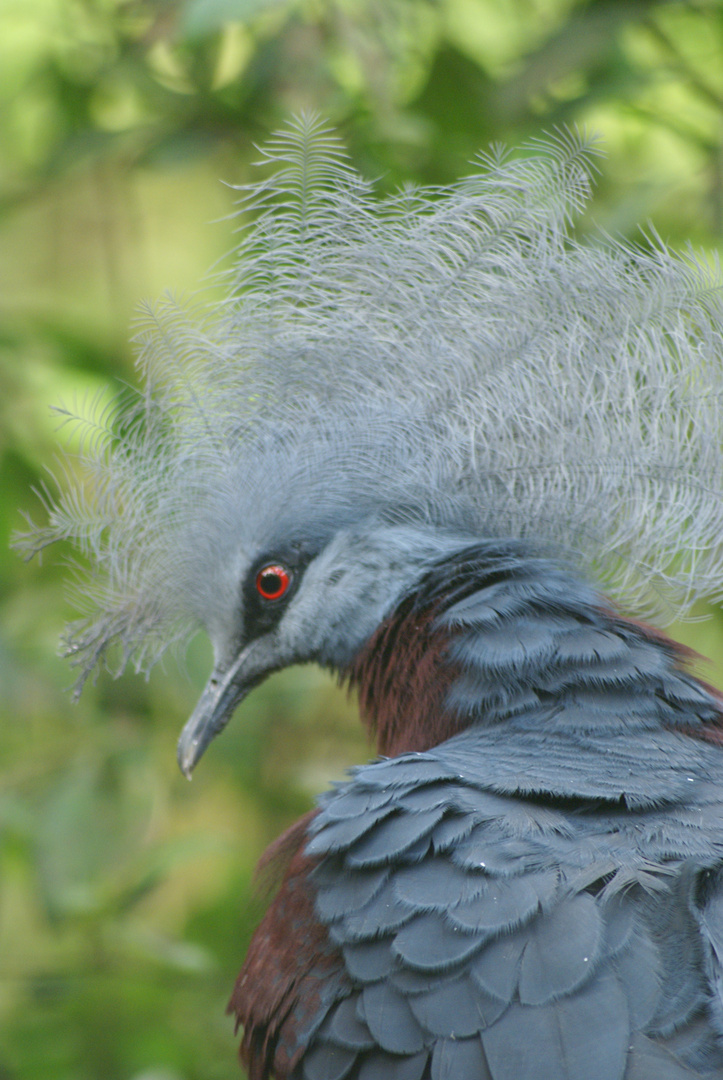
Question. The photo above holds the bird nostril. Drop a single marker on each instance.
(213, 683)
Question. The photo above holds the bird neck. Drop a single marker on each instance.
(498, 635)
(403, 677)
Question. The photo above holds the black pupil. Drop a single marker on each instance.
(271, 582)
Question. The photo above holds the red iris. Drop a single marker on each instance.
(272, 581)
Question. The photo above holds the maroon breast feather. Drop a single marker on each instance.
(277, 994)
(403, 677)
(402, 681)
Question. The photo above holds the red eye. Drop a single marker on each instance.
(272, 581)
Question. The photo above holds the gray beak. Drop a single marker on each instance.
(223, 692)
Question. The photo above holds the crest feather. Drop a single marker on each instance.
(451, 354)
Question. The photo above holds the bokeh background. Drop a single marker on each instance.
(126, 894)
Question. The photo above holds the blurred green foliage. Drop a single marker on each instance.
(126, 895)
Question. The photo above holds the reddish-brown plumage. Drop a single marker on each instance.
(683, 654)
(403, 677)
(277, 993)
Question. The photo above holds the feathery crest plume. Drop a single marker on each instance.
(447, 354)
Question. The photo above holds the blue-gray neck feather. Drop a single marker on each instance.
(532, 644)
(497, 639)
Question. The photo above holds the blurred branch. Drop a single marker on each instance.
(682, 64)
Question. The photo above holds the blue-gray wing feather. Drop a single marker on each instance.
(493, 935)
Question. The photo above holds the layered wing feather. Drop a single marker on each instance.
(500, 937)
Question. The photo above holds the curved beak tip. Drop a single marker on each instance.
(186, 762)
(195, 737)
(223, 692)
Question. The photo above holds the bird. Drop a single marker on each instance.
(467, 456)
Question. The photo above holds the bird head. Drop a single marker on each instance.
(386, 380)
(307, 601)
